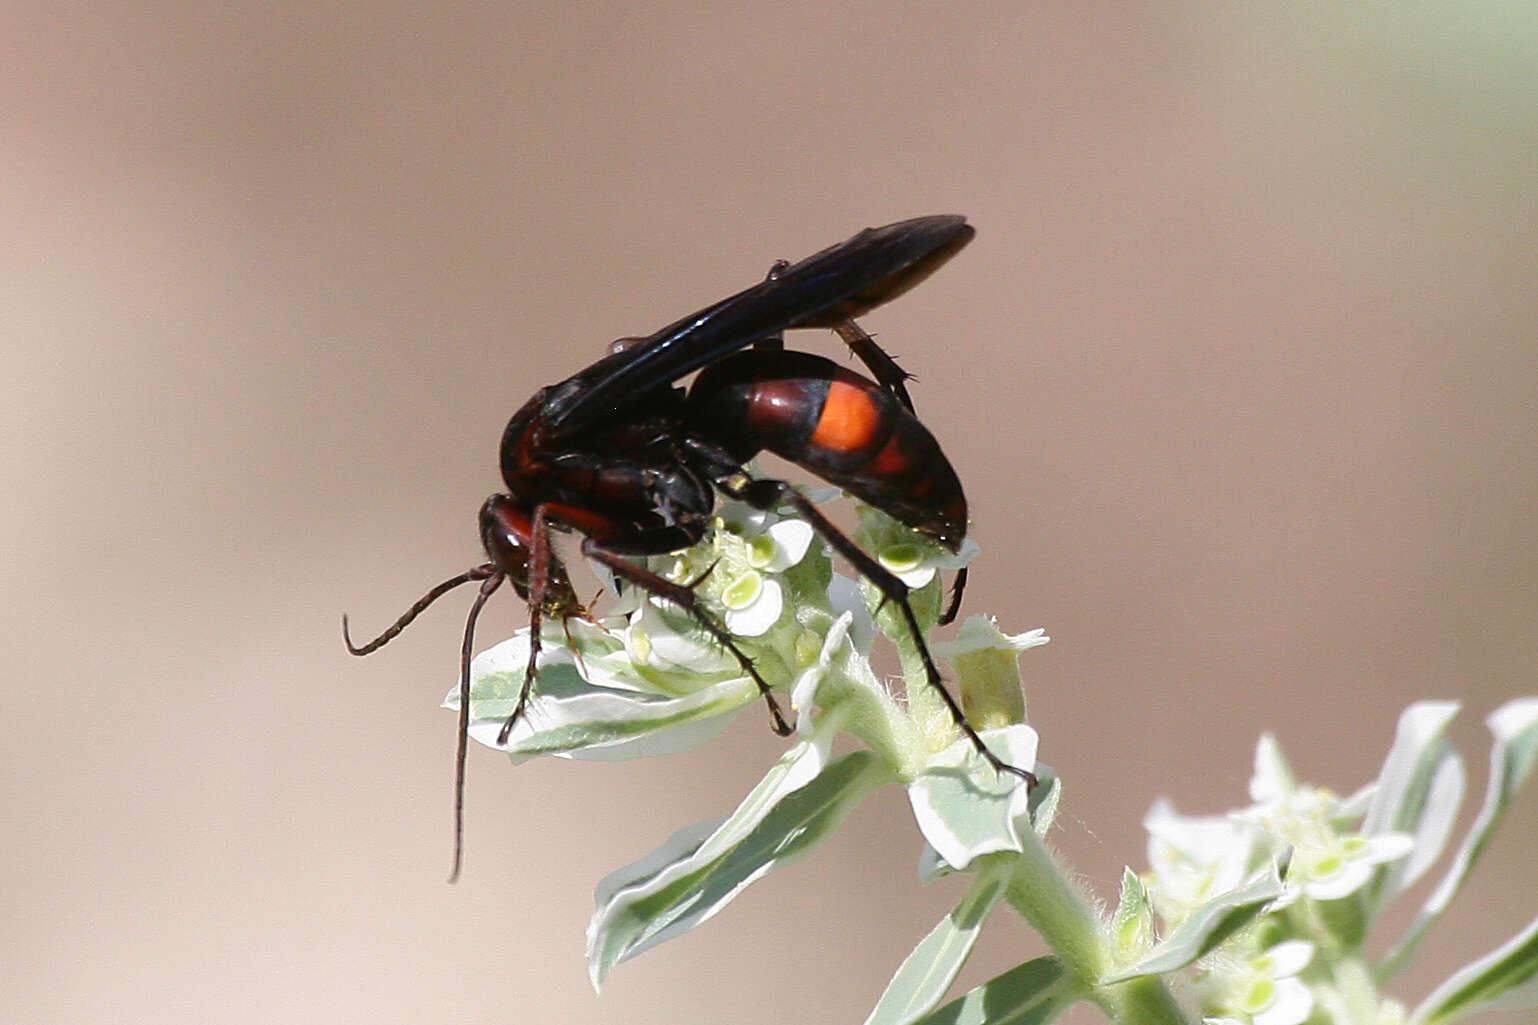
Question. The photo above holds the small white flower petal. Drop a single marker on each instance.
(1350, 877)
(1292, 1003)
(1387, 847)
(1272, 781)
(755, 619)
(918, 577)
(792, 539)
(1288, 958)
(1193, 857)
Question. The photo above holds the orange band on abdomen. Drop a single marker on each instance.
(850, 417)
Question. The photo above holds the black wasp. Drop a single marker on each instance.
(623, 456)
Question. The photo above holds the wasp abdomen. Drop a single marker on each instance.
(839, 425)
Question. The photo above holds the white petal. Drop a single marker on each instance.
(1289, 957)
(1293, 1004)
(1272, 781)
(919, 576)
(1203, 839)
(1387, 847)
(792, 538)
(756, 619)
(1350, 878)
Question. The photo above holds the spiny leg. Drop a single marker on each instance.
(877, 360)
(683, 596)
(891, 377)
(539, 585)
(765, 493)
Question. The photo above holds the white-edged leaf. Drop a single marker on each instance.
(1041, 810)
(964, 807)
(927, 972)
(1206, 926)
(1435, 827)
(1045, 798)
(701, 870)
(570, 717)
(1033, 993)
(1513, 753)
(1421, 776)
(1506, 979)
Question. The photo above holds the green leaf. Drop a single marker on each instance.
(926, 973)
(702, 869)
(1030, 994)
(1420, 788)
(1132, 924)
(1506, 979)
(1207, 926)
(1512, 757)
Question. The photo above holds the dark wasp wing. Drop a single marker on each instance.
(827, 288)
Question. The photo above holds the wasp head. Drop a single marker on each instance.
(508, 535)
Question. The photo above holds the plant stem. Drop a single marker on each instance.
(1041, 891)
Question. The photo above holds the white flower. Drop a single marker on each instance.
(1329, 860)
(1265, 990)
(916, 564)
(1342, 864)
(1193, 858)
(905, 552)
(752, 596)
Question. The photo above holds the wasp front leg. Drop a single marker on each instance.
(684, 597)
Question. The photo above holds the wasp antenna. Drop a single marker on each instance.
(478, 573)
(489, 585)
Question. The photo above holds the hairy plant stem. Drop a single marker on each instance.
(1041, 891)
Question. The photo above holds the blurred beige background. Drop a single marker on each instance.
(1241, 373)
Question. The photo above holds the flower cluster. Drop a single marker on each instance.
(1335, 864)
